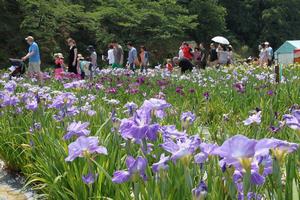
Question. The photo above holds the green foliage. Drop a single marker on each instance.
(211, 19)
(51, 22)
(41, 155)
(158, 24)
(255, 21)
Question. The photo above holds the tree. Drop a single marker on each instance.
(51, 22)
(152, 23)
(210, 19)
(11, 36)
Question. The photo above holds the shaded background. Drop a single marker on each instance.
(160, 25)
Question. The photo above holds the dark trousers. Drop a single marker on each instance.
(270, 62)
(144, 67)
(72, 68)
(132, 66)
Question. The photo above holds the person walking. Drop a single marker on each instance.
(197, 57)
(203, 58)
(144, 56)
(118, 55)
(93, 57)
(73, 53)
(213, 55)
(263, 55)
(223, 55)
(230, 55)
(187, 51)
(270, 53)
(132, 56)
(34, 66)
(110, 56)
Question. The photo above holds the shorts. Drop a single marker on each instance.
(34, 67)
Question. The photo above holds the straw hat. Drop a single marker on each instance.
(58, 55)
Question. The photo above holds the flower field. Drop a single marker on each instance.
(229, 133)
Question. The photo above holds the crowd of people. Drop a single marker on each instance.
(189, 56)
(200, 58)
(81, 67)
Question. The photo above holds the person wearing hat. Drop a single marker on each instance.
(59, 65)
(34, 57)
(270, 53)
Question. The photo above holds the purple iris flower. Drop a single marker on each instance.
(255, 177)
(293, 120)
(77, 128)
(188, 117)
(183, 148)
(154, 105)
(179, 90)
(200, 192)
(263, 164)
(63, 100)
(36, 127)
(239, 87)
(75, 84)
(84, 146)
(255, 118)
(161, 164)
(146, 148)
(192, 90)
(111, 90)
(279, 148)
(10, 86)
(237, 151)
(275, 129)
(206, 95)
(238, 180)
(90, 178)
(170, 132)
(206, 150)
(270, 93)
(131, 107)
(138, 128)
(9, 100)
(134, 166)
(254, 196)
(31, 104)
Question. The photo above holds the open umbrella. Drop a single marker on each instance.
(220, 40)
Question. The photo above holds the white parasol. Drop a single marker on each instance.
(220, 40)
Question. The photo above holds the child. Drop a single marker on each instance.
(169, 65)
(84, 67)
(59, 65)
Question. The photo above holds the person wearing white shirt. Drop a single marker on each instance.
(110, 55)
(270, 53)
